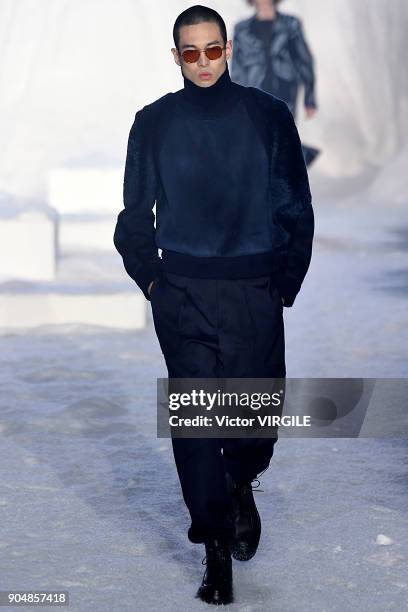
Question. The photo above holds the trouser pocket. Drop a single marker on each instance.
(265, 312)
(168, 300)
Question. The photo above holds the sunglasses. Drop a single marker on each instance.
(193, 55)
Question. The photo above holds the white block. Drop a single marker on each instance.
(28, 247)
(120, 310)
(82, 233)
(90, 288)
(98, 190)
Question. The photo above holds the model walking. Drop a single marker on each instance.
(235, 224)
(270, 52)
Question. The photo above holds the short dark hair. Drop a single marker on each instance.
(198, 14)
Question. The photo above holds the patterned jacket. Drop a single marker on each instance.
(291, 61)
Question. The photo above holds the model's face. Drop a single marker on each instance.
(204, 72)
(263, 4)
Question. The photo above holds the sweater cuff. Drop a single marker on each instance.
(146, 274)
(288, 288)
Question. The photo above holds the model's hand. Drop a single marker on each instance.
(283, 301)
(310, 111)
(149, 289)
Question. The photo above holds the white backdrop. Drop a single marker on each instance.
(73, 73)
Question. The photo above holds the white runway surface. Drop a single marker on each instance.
(89, 497)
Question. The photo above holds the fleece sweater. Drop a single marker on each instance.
(224, 166)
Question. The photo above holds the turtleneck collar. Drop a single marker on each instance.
(213, 100)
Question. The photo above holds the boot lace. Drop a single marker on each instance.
(256, 480)
(204, 560)
(256, 487)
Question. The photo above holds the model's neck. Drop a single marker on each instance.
(213, 100)
(208, 96)
(266, 12)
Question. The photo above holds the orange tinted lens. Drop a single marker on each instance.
(191, 55)
(213, 53)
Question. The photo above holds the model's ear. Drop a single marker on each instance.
(228, 49)
(176, 56)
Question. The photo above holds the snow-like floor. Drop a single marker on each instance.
(89, 497)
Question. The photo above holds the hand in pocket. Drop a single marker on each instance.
(152, 284)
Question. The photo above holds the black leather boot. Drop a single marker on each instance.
(216, 587)
(246, 519)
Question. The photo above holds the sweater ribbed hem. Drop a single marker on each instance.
(240, 266)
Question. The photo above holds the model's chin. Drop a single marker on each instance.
(200, 81)
(205, 82)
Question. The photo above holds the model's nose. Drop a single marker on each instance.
(203, 61)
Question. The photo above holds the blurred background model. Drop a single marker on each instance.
(270, 52)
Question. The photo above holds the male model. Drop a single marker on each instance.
(235, 224)
(270, 52)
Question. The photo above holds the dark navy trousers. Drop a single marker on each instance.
(210, 328)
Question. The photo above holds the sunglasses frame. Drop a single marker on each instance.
(205, 51)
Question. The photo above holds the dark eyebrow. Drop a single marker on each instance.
(213, 42)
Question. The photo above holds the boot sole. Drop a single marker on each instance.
(219, 601)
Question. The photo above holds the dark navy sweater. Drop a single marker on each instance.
(228, 204)
(216, 180)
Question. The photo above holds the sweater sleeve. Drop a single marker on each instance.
(295, 213)
(134, 235)
(304, 62)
